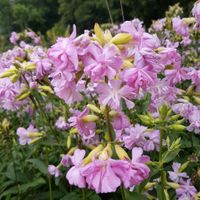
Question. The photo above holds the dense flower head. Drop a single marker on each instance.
(180, 26)
(106, 174)
(102, 62)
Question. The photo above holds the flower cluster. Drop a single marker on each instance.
(124, 104)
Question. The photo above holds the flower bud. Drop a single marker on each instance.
(196, 99)
(147, 120)
(93, 108)
(121, 153)
(102, 108)
(121, 38)
(46, 88)
(127, 63)
(14, 78)
(35, 140)
(177, 127)
(69, 141)
(73, 131)
(28, 66)
(71, 151)
(189, 20)
(23, 96)
(106, 153)
(184, 166)
(149, 185)
(9, 73)
(174, 118)
(107, 36)
(5, 124)
(113, 113)
(99, 34)
(93, 154)
(173, 185)
(35, 134)
(90, 118)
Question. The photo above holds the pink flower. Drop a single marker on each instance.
(195, 76)
(53, 170)
(135, 136)
(101, 177)
(74, 175)
(44, 67)
(120, 121)
(194, 119)
(152, 140)
(61, 123)
(101, 62)
(140, 38)
(132, 172)
(24, 137)
(112, 93)
(186, 191)
(176, 175)
(176, 75)
(14, 38)
(170, 56)
(64, 54)
(65, 86)
(162, 92)
(184, 108)
(138, 164)
(85, 129)
(133, 27)
(147, 57)
(8, 93)
(180, 26)
(139, 78)
(196, 12)
(159, 24)
(66, 160)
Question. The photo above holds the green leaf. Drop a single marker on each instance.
(38, 164)
(12, 190)
(32, 184)
(159, 191)
(170, 155)
(72, 196)
(134, 195)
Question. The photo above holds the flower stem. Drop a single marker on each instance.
(108, 124)
(83, 194)
(122, 193)
(162, 175)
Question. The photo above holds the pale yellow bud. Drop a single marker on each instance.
(121, 38)
(23, 96)
(121, 153)
(173, 185)
(46, 88)
(93, 108)
(90, 118)
(94, 153)
(35, 134)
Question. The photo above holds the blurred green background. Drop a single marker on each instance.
(51, 18)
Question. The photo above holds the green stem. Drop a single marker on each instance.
(108, 124)
(122, 193)
(49, 180)
(162, 175)
(83, 194)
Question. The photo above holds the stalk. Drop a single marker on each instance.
(162, 175)
(108, 124)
